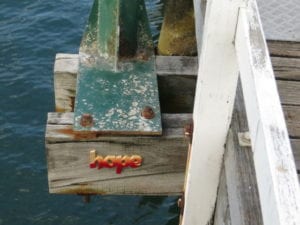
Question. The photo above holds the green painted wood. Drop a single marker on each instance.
(117, 77)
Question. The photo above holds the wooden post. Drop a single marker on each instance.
(216, 86)
(177, 36)
(274, 163)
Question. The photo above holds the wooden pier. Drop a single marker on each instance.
(242, 161)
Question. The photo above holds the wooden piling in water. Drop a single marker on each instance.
(177, 36)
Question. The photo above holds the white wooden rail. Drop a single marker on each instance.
(233, 42)
(273, 158)
(215, 92)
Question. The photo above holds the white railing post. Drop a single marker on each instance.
(233, 41)
(216, 87)
(273, 158)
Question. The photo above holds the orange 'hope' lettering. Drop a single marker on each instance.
(112, 161)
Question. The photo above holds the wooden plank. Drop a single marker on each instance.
(243, 198)
(296, 150)
(216, 85)
(289, 92)
(65, 75)
(176, 65)
(286, 68)
(241, 183)
(176, 86)
(284, 48)
(273, 158)
(292, 118)
(176, 81)
(161, 173)
(239, 180)
(222, 213)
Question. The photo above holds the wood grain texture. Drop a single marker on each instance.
(242, 190)
(289, 92)
(222, 212)
(244, 205)
(239, 180)
(161, 173)
(286, 68)
(176, 81)
(292, 118)
(176, 65)
(296, 150)
(65, 75)
(273, 158)
(284, 48)
(176, 91)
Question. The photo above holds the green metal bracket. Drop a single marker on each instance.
(117, 90)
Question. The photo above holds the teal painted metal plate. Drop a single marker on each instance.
(115, 100)
(117, 77)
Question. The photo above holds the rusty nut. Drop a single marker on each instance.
(86, 120)
(147, 113)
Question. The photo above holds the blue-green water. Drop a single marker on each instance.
(31, 33)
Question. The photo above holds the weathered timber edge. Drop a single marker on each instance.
(177, 93)
(177, 80)
(161, 173)
(238, 198)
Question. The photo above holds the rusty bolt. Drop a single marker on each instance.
(188, 130)
(148, 113)
(180, 203)
(86, 120)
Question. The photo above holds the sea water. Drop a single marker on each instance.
(31, 33)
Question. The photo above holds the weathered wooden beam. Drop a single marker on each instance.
(176, 80)
(296, 150)
(66, 67)
(176, 65)
(289, 92)
(286, 68)
(242, 203)
(222, 212)
(161, 172)
(177, 86)
(215, 92)
(273, 158)
(292, 119)
(284, 48)
(65, 76)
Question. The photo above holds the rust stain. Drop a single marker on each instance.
(80, 135)
(82, 189)
(91, 135)
(60, 110)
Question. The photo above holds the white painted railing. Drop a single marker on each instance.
(233, 43)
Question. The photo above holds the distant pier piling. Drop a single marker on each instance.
(177, 36)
